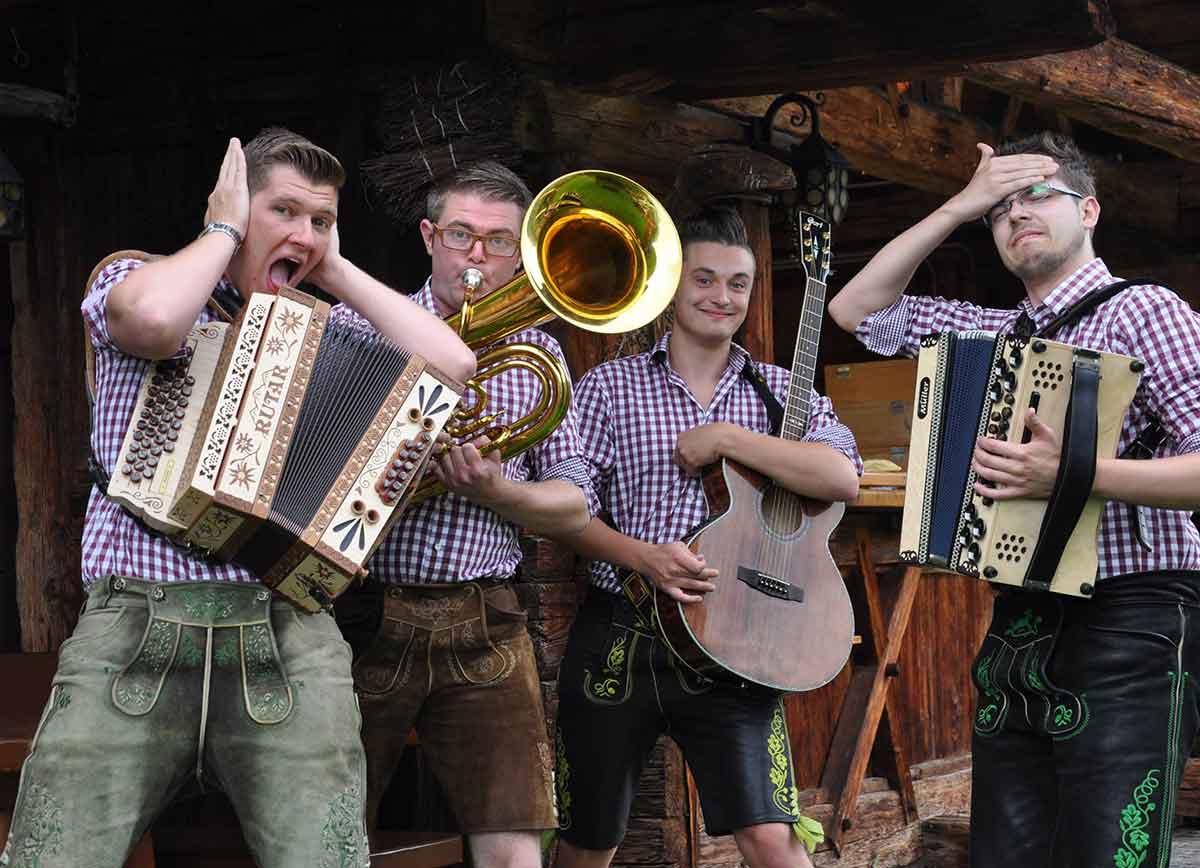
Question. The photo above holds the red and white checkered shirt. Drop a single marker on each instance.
(451, 539)
(1150, 323)
(631, 412)
(114, 543)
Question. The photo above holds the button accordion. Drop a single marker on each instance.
(973, 384)
(287, 441)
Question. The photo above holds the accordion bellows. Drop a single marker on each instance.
(285, 441)
(973, 384)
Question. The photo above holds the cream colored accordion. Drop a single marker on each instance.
(973, 384)
(285, 441)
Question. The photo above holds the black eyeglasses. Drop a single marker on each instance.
(457, 238)
(1033, 195)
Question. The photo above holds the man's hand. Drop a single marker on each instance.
(463, 470)
(675, 570)
(328, 272)
(229, 202)
(698, 447)
(1019, 469)
(998, 177)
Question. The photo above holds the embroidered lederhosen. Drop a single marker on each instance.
(619, 689)
(1086, 714)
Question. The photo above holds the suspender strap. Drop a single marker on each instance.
(774, 409)
(1087, 303)
(1076, 471)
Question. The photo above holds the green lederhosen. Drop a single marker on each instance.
(165, 683)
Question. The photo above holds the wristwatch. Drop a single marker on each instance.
(226, 229)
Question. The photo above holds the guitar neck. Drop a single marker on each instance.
(804, 362)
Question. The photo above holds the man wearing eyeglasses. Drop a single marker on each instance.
(1088, 707)
(439, 633)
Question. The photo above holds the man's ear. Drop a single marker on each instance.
(1090, 212)
(427, 234)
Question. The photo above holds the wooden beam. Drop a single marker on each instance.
(935, 151)
(646, 45)
(1114, 86)
(646, 136)
(1012, 114)
(19, 101)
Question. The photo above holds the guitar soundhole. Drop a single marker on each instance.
(781, 511)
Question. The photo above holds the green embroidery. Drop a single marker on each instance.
(226, 651)
(987, 714)
(207, 605)
(784, 795)
(190, 655)
(135, 690)
(983, 674)
(613, 667)
(1033, 674)
(260, 656)
(1024, 627)
(1135, 820)
(344, 836)
(40, 831)
(562, 782)
(1063, 716)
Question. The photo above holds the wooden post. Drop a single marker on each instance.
(758, 334)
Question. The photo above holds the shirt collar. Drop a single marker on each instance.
(738, 357)
(424, 297)
(1089, 277)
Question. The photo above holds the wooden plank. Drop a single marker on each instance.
(616, 46)
(1114, 86)
(18, 101)
(50, 431)
(935, 151)
(758, 332)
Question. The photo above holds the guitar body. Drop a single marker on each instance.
(780, 616)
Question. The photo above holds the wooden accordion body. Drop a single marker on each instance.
(974, 384)
(284, 442)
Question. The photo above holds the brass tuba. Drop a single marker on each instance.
(599, 252)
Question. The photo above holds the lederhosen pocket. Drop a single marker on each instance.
(190, 616)
(1010, 671)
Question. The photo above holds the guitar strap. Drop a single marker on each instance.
(751, 373)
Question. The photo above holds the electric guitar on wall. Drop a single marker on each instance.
(780, 616)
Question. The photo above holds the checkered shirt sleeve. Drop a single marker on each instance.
(451, 539)
(897, 330)
(113, 542)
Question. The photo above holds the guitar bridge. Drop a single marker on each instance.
(770, 585)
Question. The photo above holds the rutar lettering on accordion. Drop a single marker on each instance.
(974, 384)
(286, 441)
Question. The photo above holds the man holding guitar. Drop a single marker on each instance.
(650, 425)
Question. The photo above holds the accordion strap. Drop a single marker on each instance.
(1076, 471)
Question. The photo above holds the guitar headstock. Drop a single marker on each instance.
(815, 236)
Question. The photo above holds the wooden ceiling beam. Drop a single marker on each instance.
(930, 149)
(1114, 86)
(933, 149)
(716, 48)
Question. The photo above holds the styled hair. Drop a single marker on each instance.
(1073, 166)
(276, 146)
(717, 223)
(487, 179)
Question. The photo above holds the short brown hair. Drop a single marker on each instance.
(276, 146)
(1073, 166)
(720, 224)
(487, 179)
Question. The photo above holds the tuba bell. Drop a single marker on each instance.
(601, 253)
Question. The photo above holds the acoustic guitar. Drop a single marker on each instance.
(780, 616)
